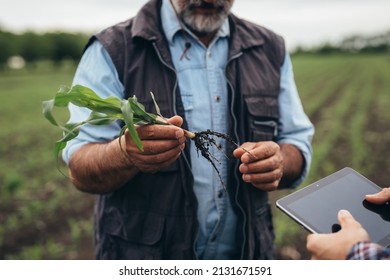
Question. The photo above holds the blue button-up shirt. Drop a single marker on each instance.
(203, 88)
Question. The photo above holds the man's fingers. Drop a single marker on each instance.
(251, 152)
(264, 166)
(153, 159)
(154, 132)
(152, 147)
(151, 162)
(175, 120)
(244, 148)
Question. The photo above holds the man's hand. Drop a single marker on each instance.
(379, 198)
(162, 145)
(102, 168)
(261, 164)
(335, 246)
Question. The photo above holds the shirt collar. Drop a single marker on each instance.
(171, 24)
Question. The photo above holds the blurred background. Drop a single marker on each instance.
(341, 56)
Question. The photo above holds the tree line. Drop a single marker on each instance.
(374, 43)
(60, 46)
(32, 47)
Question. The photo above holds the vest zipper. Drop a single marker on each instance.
(175, 112)
(237, 138)
(173, 93)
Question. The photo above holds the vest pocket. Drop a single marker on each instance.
(265, 130)
(134, 235)
(262, 120)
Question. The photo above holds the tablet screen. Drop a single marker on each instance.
(316, 206)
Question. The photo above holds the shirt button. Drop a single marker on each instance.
(213, 238)
(209, 54)
(217, 98)
(220, 194)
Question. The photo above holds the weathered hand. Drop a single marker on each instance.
(162, 144)
(261, 164)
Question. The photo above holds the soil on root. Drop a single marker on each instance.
(204, 139)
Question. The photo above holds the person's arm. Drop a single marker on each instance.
(286, 162)
(365, 250)
(104, 167)
(96, 71)
(95, 159)
(295, 131)
(293, 165)
(100, 167)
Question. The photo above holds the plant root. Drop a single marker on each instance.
(203, 140)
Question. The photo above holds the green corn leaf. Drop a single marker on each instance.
(123, 130)
(155, 105)
(71, 130)
(47, 108)
(58, 147)
(128, 117)
(103, 111)
(85, 97)
(96, 118)
(139, 111)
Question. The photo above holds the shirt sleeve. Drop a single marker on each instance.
(294, 125)
(368, 251)
(96, 71)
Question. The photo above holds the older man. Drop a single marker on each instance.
(208, 69)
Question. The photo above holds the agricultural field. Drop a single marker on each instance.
(43, 217)
(348, 100)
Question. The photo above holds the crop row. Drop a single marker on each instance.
(347, 99)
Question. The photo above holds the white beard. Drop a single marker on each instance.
(204, 24)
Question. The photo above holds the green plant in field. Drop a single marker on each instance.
(130, 111)
(103, 112)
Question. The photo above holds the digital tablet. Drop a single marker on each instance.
(315, 207)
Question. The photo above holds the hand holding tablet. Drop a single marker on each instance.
(316, 206)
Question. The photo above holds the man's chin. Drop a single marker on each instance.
(203, 25)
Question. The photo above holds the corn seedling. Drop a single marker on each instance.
(130, 111)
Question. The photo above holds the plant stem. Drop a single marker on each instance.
(189, 134)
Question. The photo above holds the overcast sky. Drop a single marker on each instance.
(300, 22)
